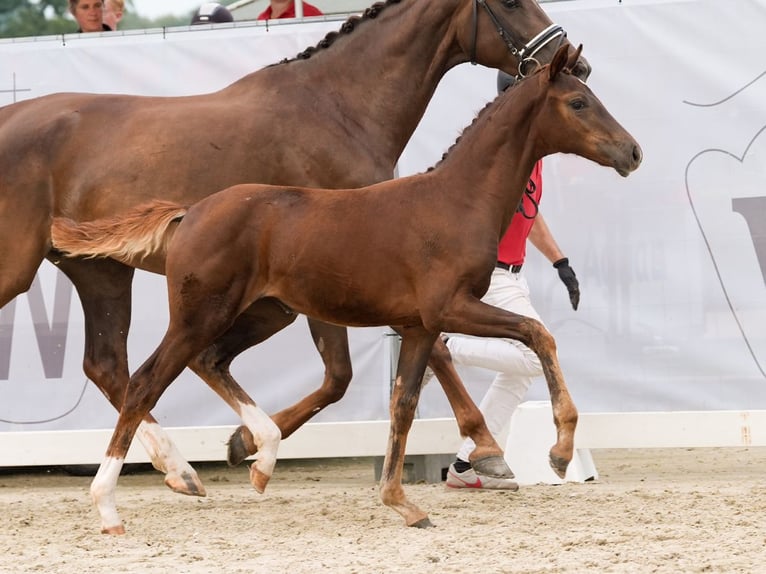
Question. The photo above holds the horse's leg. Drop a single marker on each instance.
(189, 332)
(487, 457)
(332, 343)
(473, 317)
(24, 241)
(104, 288)
(259, 322)
(413, 356)
(145, 388)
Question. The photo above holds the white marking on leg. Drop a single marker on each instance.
(266, 435)
(102, 492)
(162, 451)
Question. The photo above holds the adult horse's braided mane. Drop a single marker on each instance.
(347, 27)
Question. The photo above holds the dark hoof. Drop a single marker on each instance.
(559, 465)
(193, 486)
(423, 523)
(237, 451)
(494, 466)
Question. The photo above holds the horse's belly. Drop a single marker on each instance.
(354, 309)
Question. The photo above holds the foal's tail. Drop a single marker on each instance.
(142, 231)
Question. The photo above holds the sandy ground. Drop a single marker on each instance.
(668, 510)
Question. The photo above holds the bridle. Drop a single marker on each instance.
(526, 54)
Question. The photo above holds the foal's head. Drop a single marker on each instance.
(569, 118)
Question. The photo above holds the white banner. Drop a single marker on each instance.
(671, 261)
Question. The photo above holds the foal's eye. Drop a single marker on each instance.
(510, 3)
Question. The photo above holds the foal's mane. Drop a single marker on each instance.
(348, 26)
(466, 129)
(487, 106)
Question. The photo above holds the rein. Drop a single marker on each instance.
(526, 54)
(529, 192)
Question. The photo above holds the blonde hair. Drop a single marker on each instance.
(117, 5)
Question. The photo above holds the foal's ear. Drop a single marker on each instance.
(558, 63)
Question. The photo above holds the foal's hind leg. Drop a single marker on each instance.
(259, 322)
(332, 343)
(144, 389)
(190, 331)
(104, 288)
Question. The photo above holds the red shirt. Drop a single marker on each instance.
(308, 10)
(513, 245)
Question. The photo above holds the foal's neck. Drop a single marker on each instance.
(491, 162)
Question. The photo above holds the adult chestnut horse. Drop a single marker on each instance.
(239, 246)
(337, 116)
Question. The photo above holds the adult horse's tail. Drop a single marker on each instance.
(143, 231)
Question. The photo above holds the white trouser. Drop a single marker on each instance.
(515, 363)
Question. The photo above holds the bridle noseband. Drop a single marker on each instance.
(526, 54)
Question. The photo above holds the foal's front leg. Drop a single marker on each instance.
(487, 457)
(471, 316)
(413, 356)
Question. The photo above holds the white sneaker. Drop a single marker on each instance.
(469, 479)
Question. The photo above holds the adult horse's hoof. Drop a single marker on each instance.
(494, 466)
(559, 465)
(185, 483)
(423, 523)
(240, 446)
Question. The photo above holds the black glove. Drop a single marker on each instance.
(567, 275)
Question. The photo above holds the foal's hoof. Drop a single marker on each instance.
(423, 523)
(115, 530)
(258, 479)
(494, 466)
(240, 443)
(559, 465)
(185, 483)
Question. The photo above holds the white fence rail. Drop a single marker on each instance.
(428, 436)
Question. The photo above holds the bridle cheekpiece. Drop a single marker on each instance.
(525, 54)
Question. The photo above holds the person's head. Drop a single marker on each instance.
(88, 13)
(113, 11)
(504, 81)
(212, 13)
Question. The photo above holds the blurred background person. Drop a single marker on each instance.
(286, 9)
(113, 11)
(212, 13)
(89, 15)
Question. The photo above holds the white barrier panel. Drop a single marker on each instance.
(313, 440)
(532, 433)
(428, 436)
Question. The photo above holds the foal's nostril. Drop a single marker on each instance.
(637, 154)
